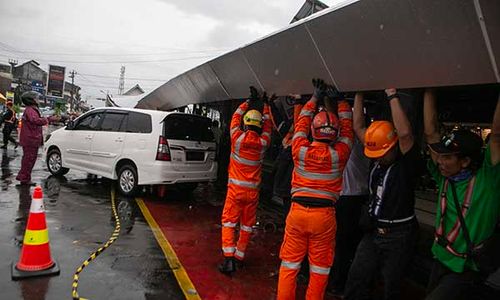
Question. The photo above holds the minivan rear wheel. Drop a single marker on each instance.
(54, 163)
(127, 180)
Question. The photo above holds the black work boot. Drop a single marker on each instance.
(228, 266)
(238, 264)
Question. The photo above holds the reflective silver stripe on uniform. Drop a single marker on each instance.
(319, 270)
(396, 221)
(239, 111)
(299, 134)
(314, 191)
(266, 134)
(229, 224)
(290, 265)
(243, 183)
(233, 130)
(306, 113)
(245, 161)
(345, 115)
(239, 253)
(237, 144)
(246, 228)
(346, 141)
(228, 249)
(334, 158)
(266, 117)
(302, 157)
(318, 176)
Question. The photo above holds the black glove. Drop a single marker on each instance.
(333, 93)
(254, 94)
(297, 101)
(319, 88)
(265, 98)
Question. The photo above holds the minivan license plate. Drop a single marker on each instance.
(195, 156)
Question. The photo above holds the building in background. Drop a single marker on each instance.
(134, 91)
(128, 99)
(308, 8)
(5, 78)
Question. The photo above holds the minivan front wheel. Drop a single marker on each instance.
(54, 163)
(127, 180)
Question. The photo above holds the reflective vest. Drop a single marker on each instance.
(247, 150)
(318, 166)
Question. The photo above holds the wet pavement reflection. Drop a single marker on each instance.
(78, 213)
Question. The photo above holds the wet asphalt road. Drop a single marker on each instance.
(79, 220)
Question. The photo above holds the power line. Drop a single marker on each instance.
(118, 55)
(114, 62)
(128, 78)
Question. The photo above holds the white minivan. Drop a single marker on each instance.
(136, 147)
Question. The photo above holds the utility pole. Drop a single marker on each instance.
(121, 84)
(72, 91)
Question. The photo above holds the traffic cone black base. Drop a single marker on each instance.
(18, 274)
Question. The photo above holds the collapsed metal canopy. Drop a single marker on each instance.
(356, 45)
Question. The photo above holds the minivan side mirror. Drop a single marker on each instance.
(71, 125)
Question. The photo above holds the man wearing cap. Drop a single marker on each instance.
(390, 225)
(467, 178)
(9, 119)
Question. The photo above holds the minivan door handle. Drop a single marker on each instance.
(119, 140)
(88, 137)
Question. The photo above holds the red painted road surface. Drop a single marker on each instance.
(192, 226)
(193, 230)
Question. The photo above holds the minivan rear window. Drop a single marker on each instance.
(188, 128)
(138, 123)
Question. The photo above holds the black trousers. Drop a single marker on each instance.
(390, 252)
(283, 176)
(445, 284)
(7, 131)
(348, 211)
(283, 179)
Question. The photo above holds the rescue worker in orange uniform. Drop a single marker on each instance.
(248, 146)
(316, 184)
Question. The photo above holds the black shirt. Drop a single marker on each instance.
(398, 192)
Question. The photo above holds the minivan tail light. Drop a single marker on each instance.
(163, 152)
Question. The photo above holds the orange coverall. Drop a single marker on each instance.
(311, 229)
(245, 165)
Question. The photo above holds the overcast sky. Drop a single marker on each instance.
(155, 39)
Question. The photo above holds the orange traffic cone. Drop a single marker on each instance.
(35, 257)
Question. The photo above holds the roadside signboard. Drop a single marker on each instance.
(55, 81)
(37, 86)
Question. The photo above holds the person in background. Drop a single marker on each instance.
(354, 194)
(391, 226)
(31, 137)
(10, 123)
(248, 146)
(466, 174)
(316, 184)
(217, 131)
(283, 177)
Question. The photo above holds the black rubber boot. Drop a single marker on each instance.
(228, 266)
(238, 264)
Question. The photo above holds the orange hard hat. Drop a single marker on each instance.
(325, 126)
(380, 137)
